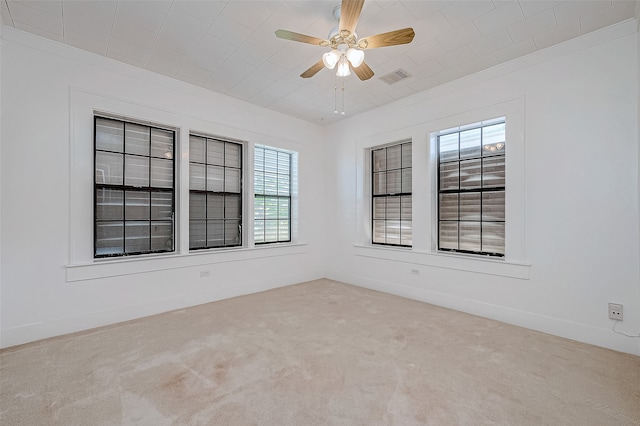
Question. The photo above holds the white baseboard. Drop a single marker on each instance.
(603, 337)
(42, 330)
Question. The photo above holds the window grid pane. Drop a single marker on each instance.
(391, 207)
(133, 189)
(471, 187)
(272, 198)
(215, 193)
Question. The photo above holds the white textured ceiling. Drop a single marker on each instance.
(230, 47)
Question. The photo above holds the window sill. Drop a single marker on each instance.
(468, 263)
(105, 268)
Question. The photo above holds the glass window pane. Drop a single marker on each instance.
(232, 207)
(161, 205)
(493, 172)
(109, 168)
(109, 204)
(161, 173)
(379, 231)
(379, 160)
(215, 206)
(109, 238)
(470, 143)
(232, 180)
(232, 233)
(449, 174)
(270, 161)
(283, 230)
(196, 176)
(394, 182)
(283, 163)
(271, 183)
(283, 185)
(448, 206)
(493, 139)
(493, 237)
(197, 205)
(136, 171)
(283, 208)
(197, 234)
(137, 205)
(406, 231)
(161, 236)
(394, 157)
(406, 155)
(136, 139)
(270, 231)
(406, 208)
(215, 152)
(109, 135)
(215, 179)
(393, 207)
(393, 231)
(379, 183)
(162, 144)
(215, 233)
(258, 208)
(449, 235)
(493, 206)
(232, 154)
(470, 236)
(271, 207)
(406, 180)
(379, 206)
(258, 154)
(448, 147)
(470, 206)
(137, 237)
(196, 149)
(258, 182)
(470, 174)
(258, 231)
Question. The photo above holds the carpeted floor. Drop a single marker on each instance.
(318, 353)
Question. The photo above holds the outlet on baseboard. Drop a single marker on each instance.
(615, 311)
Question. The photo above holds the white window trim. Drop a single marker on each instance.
(424, 193)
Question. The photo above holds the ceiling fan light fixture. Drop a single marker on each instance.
(343, 68)
(355, 56)
(330, 59)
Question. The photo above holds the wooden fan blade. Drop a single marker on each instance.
(349, 14)
(363, 71)
(313, 70)
(392, 38)
(289, 35)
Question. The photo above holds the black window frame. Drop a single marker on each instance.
(403, 193)
(225, 194)
(169, 155)
(482, 190)
(276, 196)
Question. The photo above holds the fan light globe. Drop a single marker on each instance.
(330, 59)
(343, 68)
(355, 56)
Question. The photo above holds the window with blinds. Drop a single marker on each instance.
(391, 202)
(471, 189)
(272, 199)
(133, 188)
(215, 193)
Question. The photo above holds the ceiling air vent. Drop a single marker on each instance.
(395, 76)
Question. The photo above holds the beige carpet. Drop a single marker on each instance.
(318, 353)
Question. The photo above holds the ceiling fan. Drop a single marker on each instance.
(347, 50)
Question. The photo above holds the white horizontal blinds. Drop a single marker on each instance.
(272, 199)
(391, 195)
(134, 188)
(471, 189)
(215, 193)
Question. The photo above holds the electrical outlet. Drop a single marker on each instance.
(615, 311)
(204, 274)
(415, 271)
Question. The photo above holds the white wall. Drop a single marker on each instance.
(579, 104)
(49, 284)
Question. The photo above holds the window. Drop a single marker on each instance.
(215, 193)
(272, 200)
(134, 188)
(471, 188)
(391, 201)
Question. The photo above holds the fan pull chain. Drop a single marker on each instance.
(342, 95)
(335, 95)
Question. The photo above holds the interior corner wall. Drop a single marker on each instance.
(38, 79)
(580, 194)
